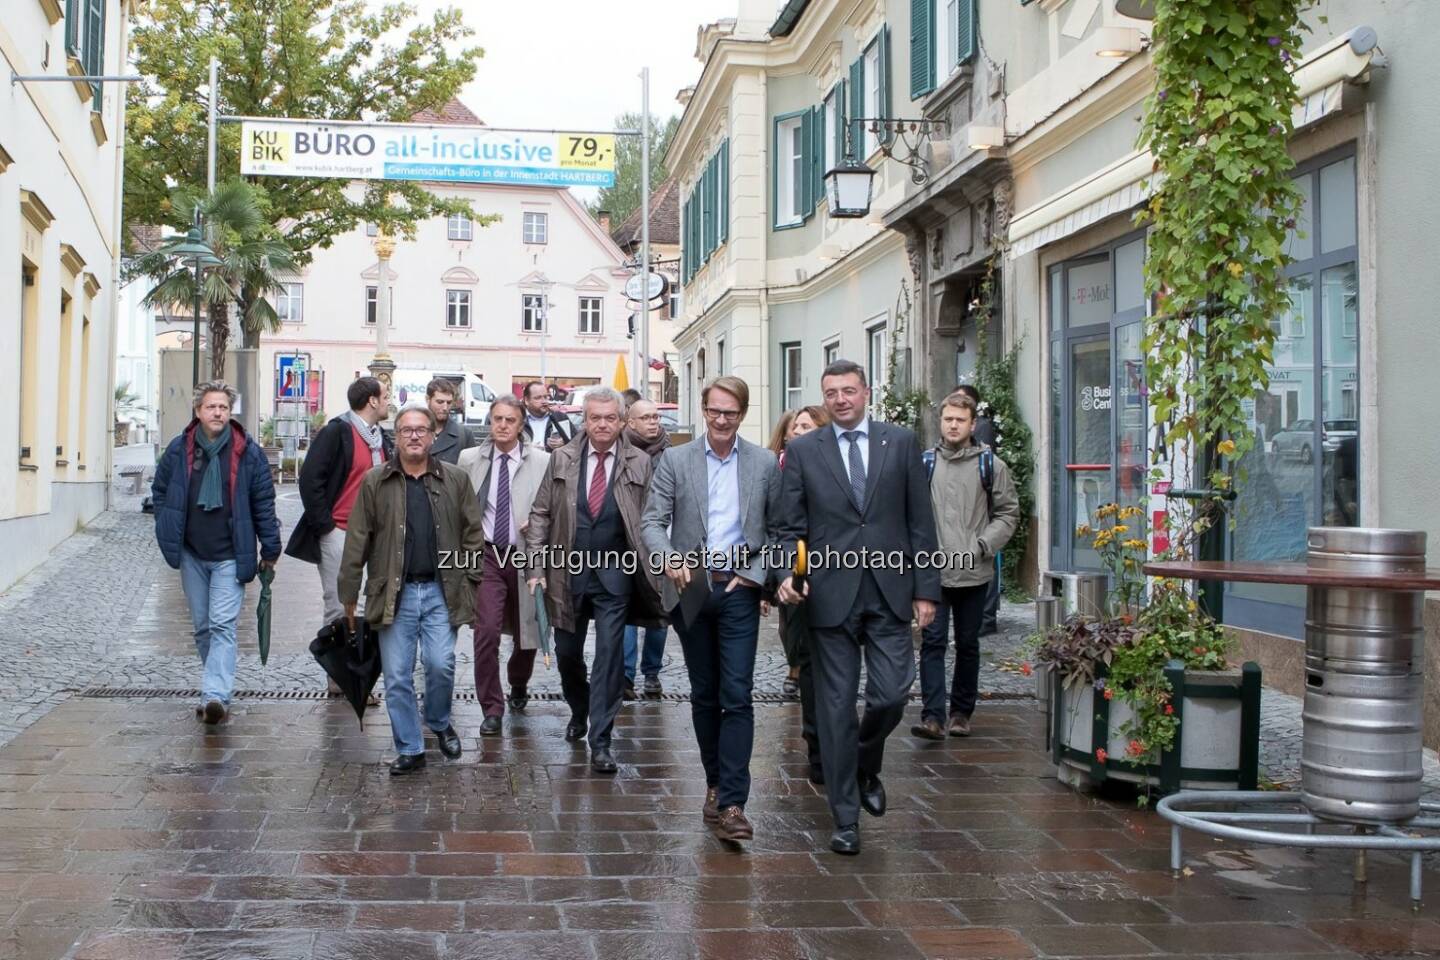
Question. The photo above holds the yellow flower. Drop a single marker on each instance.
(1105, 510)
(1129, 512)
(1102, 538)
(1083, 530)
(1226, 447)
(1134, 544)
(1235, 269)
(1119, 528)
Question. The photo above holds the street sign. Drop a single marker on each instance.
(290, 375)
(659, 284)
(353, 150)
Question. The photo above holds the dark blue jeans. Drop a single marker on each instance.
(966, 605)
(653, 657)
(720, 657)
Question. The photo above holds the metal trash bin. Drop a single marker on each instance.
(1047, 614)
(1364, 680)
(1082, 593)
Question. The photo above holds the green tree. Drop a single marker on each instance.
(252, 256)
(623, 199)
(317, 59)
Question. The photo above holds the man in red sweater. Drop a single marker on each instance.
(341, 454)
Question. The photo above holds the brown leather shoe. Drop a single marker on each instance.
(928, 730)
(733, 825)
(959, 725)
(711, 810)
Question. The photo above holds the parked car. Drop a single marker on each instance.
(1297, 441)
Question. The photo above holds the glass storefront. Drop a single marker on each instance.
(1304, 470)
(1098, 425)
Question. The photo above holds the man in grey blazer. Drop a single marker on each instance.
(707, 519)
(857, 494)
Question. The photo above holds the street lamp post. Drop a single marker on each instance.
(382, 367)
(194, 249)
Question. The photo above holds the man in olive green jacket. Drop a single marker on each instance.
(976, 513)
(417, 532)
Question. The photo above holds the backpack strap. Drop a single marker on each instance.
(987, 479)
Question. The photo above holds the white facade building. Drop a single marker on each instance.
(540, 292)
(60, 174)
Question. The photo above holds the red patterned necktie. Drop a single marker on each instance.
(597, 486)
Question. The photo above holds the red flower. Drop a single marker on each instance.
(1199, 651)
(1025, 669)
(1136, 748)
(1101, 754)
(1169, 709)
(1109, 694)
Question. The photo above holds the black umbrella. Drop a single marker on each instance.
(262, 613)
(352, 659)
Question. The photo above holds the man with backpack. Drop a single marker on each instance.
(976, 512)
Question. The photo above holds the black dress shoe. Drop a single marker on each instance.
(872, 796)
(491, 727)
(407, 763)
(519, 698)
(575, 731)
(602, 761)
(449, 743)
(846, 840)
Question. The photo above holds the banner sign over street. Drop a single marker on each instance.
(399, 151)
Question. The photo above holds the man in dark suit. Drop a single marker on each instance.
(852, 491)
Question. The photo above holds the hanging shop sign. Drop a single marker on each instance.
(403, 151)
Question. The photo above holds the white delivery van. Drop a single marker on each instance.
(473, 395)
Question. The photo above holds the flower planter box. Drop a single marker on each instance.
(1218, 740)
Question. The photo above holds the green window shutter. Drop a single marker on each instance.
(804, 198)
(965, 32)
(724, 190)
(74, 10)
(95, 45)
(819, 157)
(704, 194)
(922, 48)
(839, 132)
(775, 172)
(884, 58)
(685, 247)
(857, 107)
(712, 196)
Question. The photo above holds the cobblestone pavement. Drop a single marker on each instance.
(131, 831)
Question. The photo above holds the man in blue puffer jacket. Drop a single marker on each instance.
(213, 500)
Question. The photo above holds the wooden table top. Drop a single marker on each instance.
(1297, 573)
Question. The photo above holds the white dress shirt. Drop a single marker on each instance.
(488, 523)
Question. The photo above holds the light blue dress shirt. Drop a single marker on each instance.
(722, 522)
(864, 428)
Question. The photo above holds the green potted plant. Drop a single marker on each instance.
(1146, 694)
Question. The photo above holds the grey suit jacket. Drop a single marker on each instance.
(677, 510)
(896, 518)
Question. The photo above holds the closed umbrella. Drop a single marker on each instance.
(262, 613)
(352, 659)
(622, 378)
(542, 622)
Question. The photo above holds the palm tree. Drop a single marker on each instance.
(252, 256)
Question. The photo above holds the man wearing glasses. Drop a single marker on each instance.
(709, 514)
(412, 511)
(583, 539)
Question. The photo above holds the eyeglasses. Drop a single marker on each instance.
(413, 431)
(722, 414)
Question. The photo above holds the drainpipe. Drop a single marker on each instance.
(117, 240)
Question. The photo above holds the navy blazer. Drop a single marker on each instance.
(816, 506)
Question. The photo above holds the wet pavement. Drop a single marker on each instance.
(130, 830)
